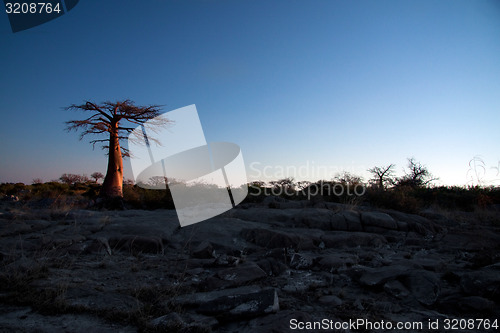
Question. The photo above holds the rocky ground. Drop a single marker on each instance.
(257, 268)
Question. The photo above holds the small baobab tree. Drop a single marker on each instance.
(97, 175)
(417, 175)
(115, 120)
(383, 176)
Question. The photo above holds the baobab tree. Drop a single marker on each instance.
(417, 175)
(116, 120)
(383, 175)
(97, 175)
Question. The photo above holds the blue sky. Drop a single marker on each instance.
(342, 85)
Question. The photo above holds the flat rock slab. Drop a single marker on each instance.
(379, 220)
(101, 301)
(236, 276)
(271, 239)
(111, 264)
(265, 214)
(233, 304)
(342, 239)
(485, 283)
(424, 286)
(24, 319)
(242, 306)
(335, 261)
(136, 244)
(374, 277)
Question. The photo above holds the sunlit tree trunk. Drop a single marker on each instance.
(113, 182)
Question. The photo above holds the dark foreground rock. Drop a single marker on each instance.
(264, 268)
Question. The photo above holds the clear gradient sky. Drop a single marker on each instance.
(345, 85)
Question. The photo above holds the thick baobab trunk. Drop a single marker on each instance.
(113, 182)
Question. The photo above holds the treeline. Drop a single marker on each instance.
(412, 192)
(59, 194)
(403, 198)
(347, 191)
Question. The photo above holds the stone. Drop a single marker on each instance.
(13, 228)
(271, 239)
(224, 260)
(104, 302)
(24, 319)
(171, 321)
(396, 289)
(330, 300)
(334, 261)
(301, 261)
(235, 277)
(338, 222)
(137, 244)
(304, 281)
(430, 264)
(204, 250)
(200, 323)
(234, 304)
(424, 286)
(99, 246)
(374, 277)
(403, 226)
(379, 220)
(484, 283)
(242, 274)
(280, 322)
(266, 215)
(342, 239)
(272, 266)
(323, 219)
(315, 218)
(476, 303)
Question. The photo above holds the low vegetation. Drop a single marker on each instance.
(412, 192)
(398, 197)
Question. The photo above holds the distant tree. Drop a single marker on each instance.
(417, 175)
(69, 178)
(346, 177)
(128, 182)
(97, 175)
(257, 183)
(303, 184)
(115, 120)
(157, 181)
(382, 176)
(285, 183)
(37, 181)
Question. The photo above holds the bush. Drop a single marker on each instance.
(412, 200)
(140, 198)
(49, 190)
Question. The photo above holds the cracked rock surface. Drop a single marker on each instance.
(251, 269)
